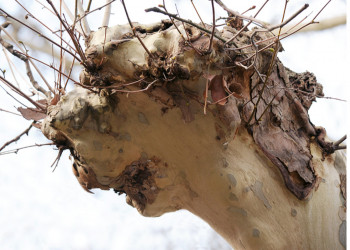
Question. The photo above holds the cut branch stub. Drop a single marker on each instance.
(175, 78)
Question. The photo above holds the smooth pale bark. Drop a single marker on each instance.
(159, 147)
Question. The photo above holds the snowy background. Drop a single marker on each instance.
(44, 210)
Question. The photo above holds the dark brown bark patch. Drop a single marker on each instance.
(137, 182)
(281, 126)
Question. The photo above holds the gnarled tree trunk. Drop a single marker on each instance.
(185, 127)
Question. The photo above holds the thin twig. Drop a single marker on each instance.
(134, 30)
(18, 91)
(14, 98)
(108, 4)
(71, 34)
(36, 68)
(44, 7)
(213, 30)
(50, 66)
(15, 151)
(269, 71)
(72, 17)
(183, 24)
(246, 26)
(25, 132)
(251, 8)
(35, 84)
(172, 20)
(320, 11)
(61, 54)
(289, 19)
(155, 9)
(188, 41)
(135, 91)
(89, 6)
(86, 27)
(235, 13)
(120, 86)
(10, 65)
(40, 34)
(43, 24)
(69, 74)
(57, 160)
(7, 111)
(200, 18)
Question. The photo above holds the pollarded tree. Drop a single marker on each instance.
(179, 115)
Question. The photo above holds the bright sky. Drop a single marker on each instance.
(45, 210)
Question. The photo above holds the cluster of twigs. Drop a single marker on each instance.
(79, 28)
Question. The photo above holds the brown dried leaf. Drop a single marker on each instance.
(216, 86)
(31, 114)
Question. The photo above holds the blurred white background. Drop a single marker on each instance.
(44, 210)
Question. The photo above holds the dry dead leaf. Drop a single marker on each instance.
(217, 86)
(31, 113)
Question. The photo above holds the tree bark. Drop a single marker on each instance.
(187, 127)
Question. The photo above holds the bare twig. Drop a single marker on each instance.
(10, 112)
(89, 6)
(251, 8)
(18, 91)
(121, 85)
(25, 132)
(269, 71)
(50, 66)
(172, 20)
(321, 10)
(72, 17)
(10, 65)
(240, 31)
(44, 25)
(106, 14)
(197, 13)
(155, 9)
(72, 36)
(57, 160)
(44, 7)
(36, 68)
(235, 13)
(188, 40)
(213, 29)
(35, 84)
(289, 19)
(324, 24)
(134, 30)
(61, 54)
(40, 34)
(69, 74)
(206, 96)
(15, 151)
(14, 98)
(135, 91)
(183, 24)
